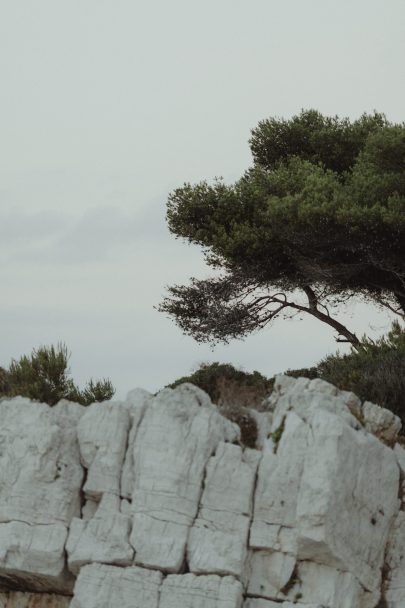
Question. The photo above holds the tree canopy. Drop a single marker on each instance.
(317, 219)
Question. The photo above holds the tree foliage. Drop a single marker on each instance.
(44, 376)
(376, 373)
(318, 218)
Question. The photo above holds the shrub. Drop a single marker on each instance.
(4, 385)
(102, 390)
(304, 372)
(227, 385)
(44, 376)
(375, 373)
(235, 392)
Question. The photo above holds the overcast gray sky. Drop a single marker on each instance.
(107, 105)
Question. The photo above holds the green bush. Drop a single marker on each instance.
(3, 381)
(44, 376)
(304, 372)
(375, 373)
(227, 385)
(102, 390)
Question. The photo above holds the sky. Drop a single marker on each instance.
(108, 105)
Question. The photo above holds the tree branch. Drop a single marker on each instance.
(216, 309)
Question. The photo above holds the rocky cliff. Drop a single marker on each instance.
(153, 503)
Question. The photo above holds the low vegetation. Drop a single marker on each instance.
(227, 385)
(235, 392)
(278, 433)
(44, 376)
(375, 372)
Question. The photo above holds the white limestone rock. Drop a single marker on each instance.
(353, 403)
(180, 430)
(218, 539)
(40, 471)
(218, 543)
(191, 591)
(260, 603)
(306, 584)
(279, 474)
(329, 492)
(68, 414)
(32, 556)
(102, 539)
(126, 507)
(171, 535)
(101, 586)
(269, 574)
(282, 384)
(137, 400)
(255, 602)
(394, 587)
(326, 586)
(40, 481)
(102, 433)
(89, 509)
(399, 452)
(325, 503)
(348, 499)
(273, 537)
(381, 422)
(19, 599)
(278, 486)
(305, 397)
(264, 422)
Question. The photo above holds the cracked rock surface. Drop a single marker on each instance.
(152, 502)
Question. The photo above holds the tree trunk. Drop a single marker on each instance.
(318, 314)
(400, 298)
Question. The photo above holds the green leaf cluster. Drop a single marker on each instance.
(44, 376)
(323, 204)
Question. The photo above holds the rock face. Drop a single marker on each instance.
(40, 492)
(152, 502)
